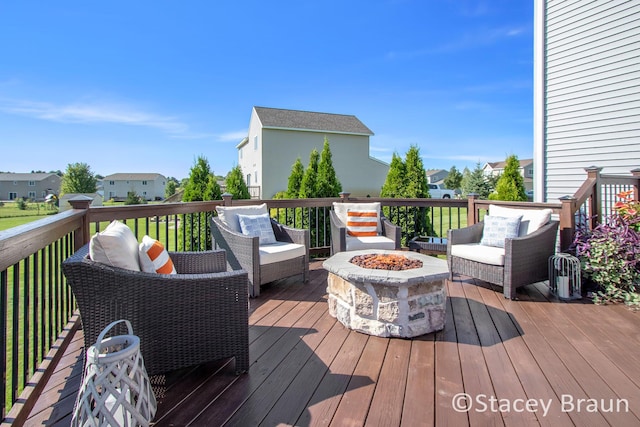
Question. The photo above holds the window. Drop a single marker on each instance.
(32, 183)
(144, 182)
(31, 195)
(255, 142)
(13, 196)
(255, 177)
(248, 180)
(240, 153)
(112, 183)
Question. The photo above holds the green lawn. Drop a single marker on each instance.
(12, 216)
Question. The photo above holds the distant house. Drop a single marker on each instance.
(278, 137)
(525, 169)
(586, 92)
(150, 186)
(34, 186)
(436, 176)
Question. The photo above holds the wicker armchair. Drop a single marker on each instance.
(525, 257)
(388, 237)
(195, 316)
(244, 252)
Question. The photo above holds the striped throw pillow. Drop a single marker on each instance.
(362, 223)
(154, 258)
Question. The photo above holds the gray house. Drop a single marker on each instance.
(34, 186)
(278, 137)
(150, 186)
(436, 176)
(587, 92)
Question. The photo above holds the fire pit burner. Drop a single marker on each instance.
(385, 262)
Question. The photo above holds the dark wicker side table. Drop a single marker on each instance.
(429, 245)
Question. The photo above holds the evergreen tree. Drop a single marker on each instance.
(395, 182)
(453, 181)
(510, 185)
(475, 182)
(308, 185)
(78, 178)
(295, 180)
(416, 182)
(170, 188)
(327, 184)
(236, 184)
(200, 186)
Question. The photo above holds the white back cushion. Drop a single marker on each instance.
(341, 210)
(115, 246)
(229, 214)
(532, 219)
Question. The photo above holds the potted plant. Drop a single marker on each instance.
(610, 254)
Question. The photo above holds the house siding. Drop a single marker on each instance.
(590, 83)
(17, 186)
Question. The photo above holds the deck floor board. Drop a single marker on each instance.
(309, 370)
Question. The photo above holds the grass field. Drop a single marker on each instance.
(12, 216)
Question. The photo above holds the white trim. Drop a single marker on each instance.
(539, 98)
(317, 131)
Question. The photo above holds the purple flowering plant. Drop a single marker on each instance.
(610, 257)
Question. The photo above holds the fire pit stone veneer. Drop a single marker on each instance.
(387, 303)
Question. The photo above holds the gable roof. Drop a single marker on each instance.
(276, 118)
(500, 165)
(25, 176)
(132, 177)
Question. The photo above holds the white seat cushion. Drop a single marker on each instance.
(369, 242)
(479, 253)
(532, 219)
(280, 251)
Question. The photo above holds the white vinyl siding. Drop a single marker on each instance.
(592, 88)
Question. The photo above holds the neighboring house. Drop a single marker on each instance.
(278, 137)
(34, 186)
(586, 92)
(436, 176)
(525, 169)
(150, 186)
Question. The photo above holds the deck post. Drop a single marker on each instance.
(472, 212)
(227, 199)
(344, 196)
(593, 173)
(636, 187)
(81, 236)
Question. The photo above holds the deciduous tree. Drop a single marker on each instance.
(78, 178)
(453, 181)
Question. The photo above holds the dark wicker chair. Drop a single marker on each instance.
(243, 252)
(195, 316)
(525, 259)
(339, 233)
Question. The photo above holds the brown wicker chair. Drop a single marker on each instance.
(525, 258)
(195, 316)
(243, 252)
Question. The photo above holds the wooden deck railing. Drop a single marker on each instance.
(36, 305)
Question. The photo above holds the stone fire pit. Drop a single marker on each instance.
(387, 303)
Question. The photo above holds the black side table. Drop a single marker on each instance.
(429, 245)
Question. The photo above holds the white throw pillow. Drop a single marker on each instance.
(532, 219)
(229, 214)
(154, 258)
(115, 246)
(257, 225)
(498, 228)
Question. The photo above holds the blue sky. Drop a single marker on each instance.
(148, 86)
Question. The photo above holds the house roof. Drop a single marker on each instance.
(276, 118)
(501, 165)
(434, 171)
(132, 176)
(25, 176)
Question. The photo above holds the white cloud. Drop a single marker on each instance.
(232, 136)
(97, 112)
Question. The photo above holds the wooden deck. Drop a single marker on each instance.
(535, 361)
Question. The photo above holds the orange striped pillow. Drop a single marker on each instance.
(154, 258)
(362, 223)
